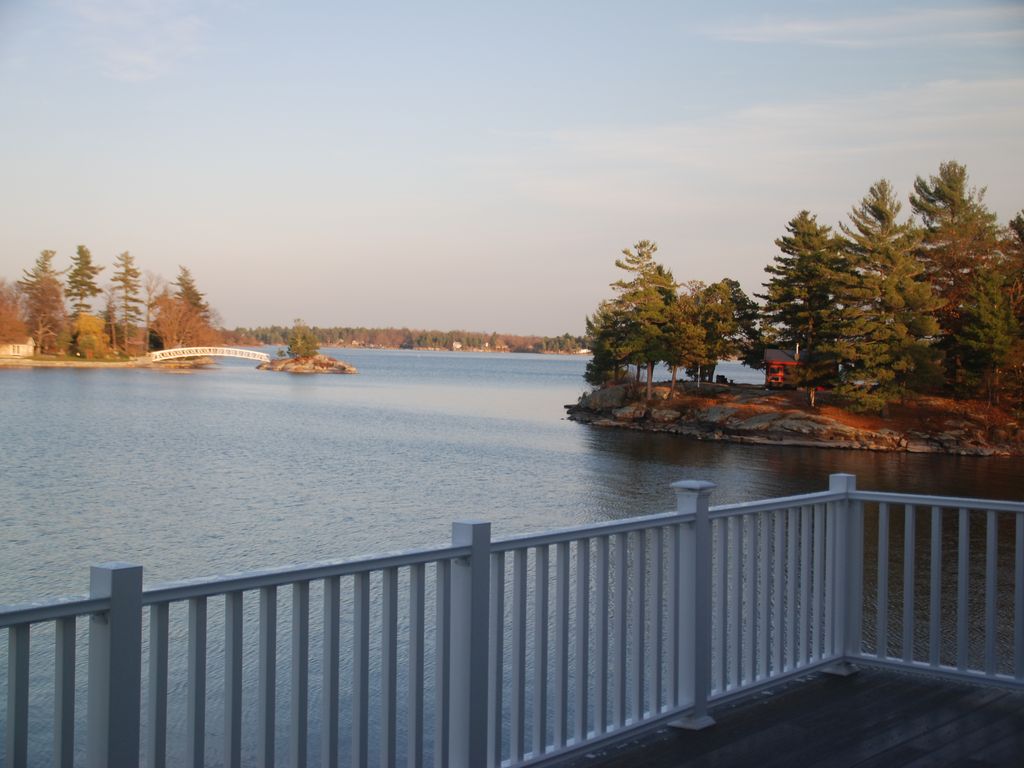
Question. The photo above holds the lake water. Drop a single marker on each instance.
(231, 468)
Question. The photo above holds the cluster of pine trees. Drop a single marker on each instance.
(882, 307)
(138, 312)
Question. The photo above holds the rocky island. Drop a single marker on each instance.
(754, 415)
(309, 364)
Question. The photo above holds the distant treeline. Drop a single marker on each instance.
(411, 338)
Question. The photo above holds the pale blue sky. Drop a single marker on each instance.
(479, 165)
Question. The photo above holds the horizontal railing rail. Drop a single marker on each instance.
(781, 502)
(282, 577)
(948, 502)
(521, 650)
(51, 610)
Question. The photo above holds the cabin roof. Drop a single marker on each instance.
(785, 356)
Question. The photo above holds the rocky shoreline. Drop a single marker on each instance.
(755, 416)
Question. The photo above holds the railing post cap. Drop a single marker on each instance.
(106, 577)
(842, 481)
(694, 486)
(471, 532)
(115, 566)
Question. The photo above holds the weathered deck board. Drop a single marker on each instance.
(872, 719)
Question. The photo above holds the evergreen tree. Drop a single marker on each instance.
(988, 334)
(716, 317)
(643, 301)
(604, 331)
(750, 343)
(302, 341)
(44, 302)
(189, 293)
(683, 336)
(631, 328)
(961, 239)
(81, 281)
(800, 301)
(126, 281)
(1013, 264)
(887, 305)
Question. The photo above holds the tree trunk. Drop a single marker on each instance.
(650, 380)
(672, 389)
(811, 395)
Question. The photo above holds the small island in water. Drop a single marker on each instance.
(308, 364)
(303, 355)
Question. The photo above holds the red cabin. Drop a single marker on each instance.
(780, 367)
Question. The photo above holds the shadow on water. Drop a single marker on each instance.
(639, 466)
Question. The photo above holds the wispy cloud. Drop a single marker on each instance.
(963, 26)
(139, 40)
(772, 151)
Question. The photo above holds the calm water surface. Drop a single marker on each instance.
(232, 468)
(228, 469)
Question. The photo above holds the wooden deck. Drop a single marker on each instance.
(873, 718)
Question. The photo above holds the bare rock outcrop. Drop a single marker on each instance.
(754, 416)
(313, 364)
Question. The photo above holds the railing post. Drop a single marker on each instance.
(470, 591)
(115, 667)
(849, 574)
(693, 500)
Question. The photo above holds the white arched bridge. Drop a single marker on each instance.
(180, 352)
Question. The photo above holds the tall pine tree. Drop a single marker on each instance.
(988, 334)
(189, 293)
(644, 301)
(961, 239)
(716, 317)
(1013, 264)
(81, 281)
(44, 302)
(800, 298)
(887, 305)
(126, 282)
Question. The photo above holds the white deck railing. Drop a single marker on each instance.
(517, 651)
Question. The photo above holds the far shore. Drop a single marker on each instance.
(142, 362)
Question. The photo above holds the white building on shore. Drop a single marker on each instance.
(25, 348)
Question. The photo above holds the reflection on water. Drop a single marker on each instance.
(634, 465)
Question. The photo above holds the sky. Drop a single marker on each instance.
(479, 165)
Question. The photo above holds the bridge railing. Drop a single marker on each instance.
(523, 650)
(184, 352)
